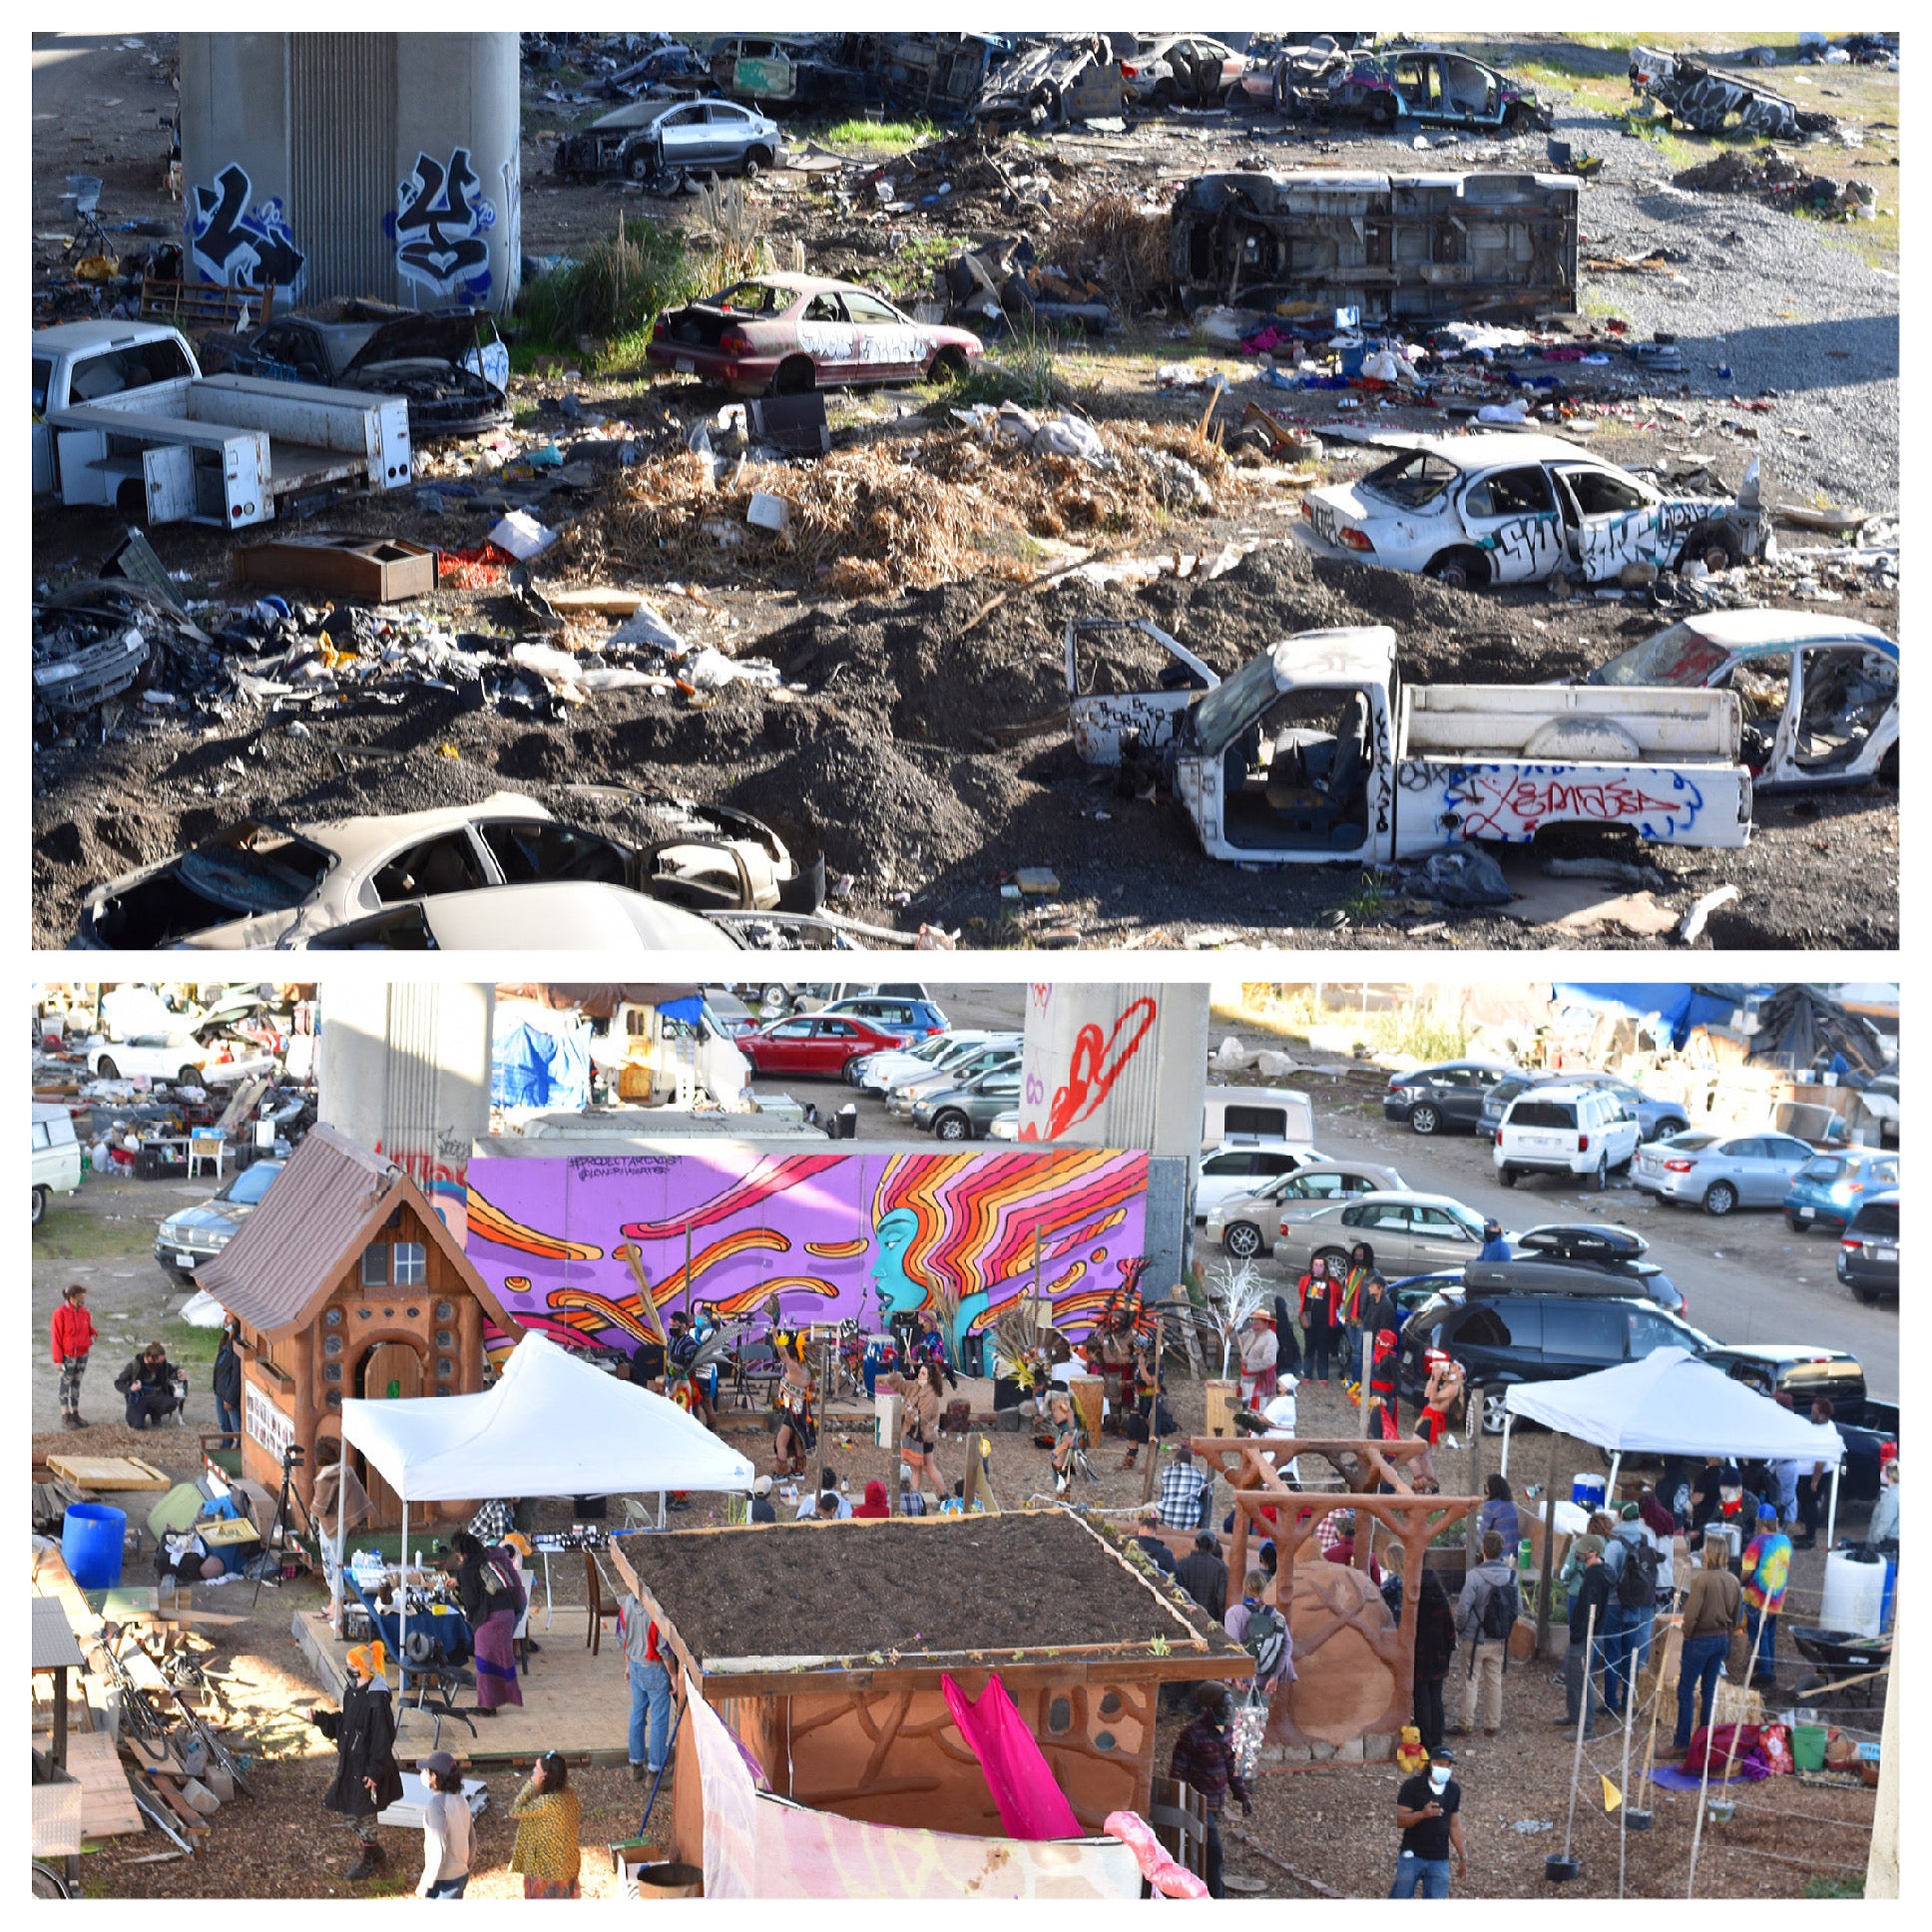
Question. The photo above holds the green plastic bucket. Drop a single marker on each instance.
(1807, 1746)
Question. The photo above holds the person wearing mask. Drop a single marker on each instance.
(1204, 1759)
(1379, 1308)
(1318, 1299)
(875, 1508)
(1361, 1266)
(363, 1732)
(148, 1382)
(919, 1434)
(1435, 1649)
(1814, 1483)
(1380, 1418)
(73, 1335)
(827, 1487)
(1428, 1811)
(1713, 1609)
(760, 1510)
(446, 1831)
(1204, 1576)
(1257, 1359)
(1186, 1492)
(490, 1591)
(1882, 1531)
(912, 1499)
(1486, 1612)
(226, 1384)
(1499, 1512)
(1287, 1350)
(649, 1676)
(549, 1818)
(1764, 1571)
(1494, 1248)
(1149, 1541)
(1587, 1610)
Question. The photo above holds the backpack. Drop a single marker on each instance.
(1265, 1639)
(1637, 1581)
(1501, 1608)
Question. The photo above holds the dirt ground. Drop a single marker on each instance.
(918, 739)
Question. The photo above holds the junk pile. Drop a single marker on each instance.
(1772, 176)
(997, 287)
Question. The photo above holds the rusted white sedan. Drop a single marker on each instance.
(786, 335)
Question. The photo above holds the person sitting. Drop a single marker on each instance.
(875, 1508)
(1186, 1492)
(1277, 1414)
(955, 1504)
(148, 1383)
(912, 1501)
(827, 1486)
(760, 1510)
(825, 1508)
(1149, 1545)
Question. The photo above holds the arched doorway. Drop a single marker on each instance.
(390, 1371)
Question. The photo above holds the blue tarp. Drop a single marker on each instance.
(690, 1010)
(530, 1067)
(1680, 1004)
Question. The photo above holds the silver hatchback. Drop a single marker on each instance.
(1720, 1172)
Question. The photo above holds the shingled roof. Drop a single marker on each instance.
(290, 1255)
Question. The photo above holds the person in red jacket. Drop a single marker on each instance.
(73, 1339)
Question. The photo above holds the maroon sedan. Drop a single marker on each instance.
(815, 1043)
(784, 336)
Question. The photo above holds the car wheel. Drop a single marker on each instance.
(189, 1077)
(40, 1205)
(640, 168)
(1714, 547)
(1664, 1129)
(107, 1068)
(1864, 1294)
(1601, 1179)
(795, 377)
(1719, 1198)
(952, 1126)
(947, 365)
(1461, 570)
(1507, 1176)
(1798, 1227)
(1424, 1119)
(1515, 118)
(1336, 1258)
(1495, 1411)
(756, 159)
(849, 1071)
(1242, 1241)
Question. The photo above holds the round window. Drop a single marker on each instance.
(446, 1369)
(1110, 1704)
(442, 1388)
(1103, 1740)
(445, 1338)
(413, 1314)
(445, 1312)
(366, 1313)
(333, 1317)
(335, 1398)
(1060, 1715)
(332, 1372)
(332, 1344)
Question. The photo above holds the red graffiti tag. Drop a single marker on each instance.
(1097, 1064)
(1518, 806)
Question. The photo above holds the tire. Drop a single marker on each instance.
(795, 377)
(952, 1126)
(40, 1205)
(640, 166)
(1335, 1257)
(1494, 1411)
(1515, 118)
(48, 1883)
(1601, 1179)
(849, 1071)
(1382, 111)
(1242, 1241)
(947, 365)
(757, 160)
(1507, 1176)
(1424, 1119)
(1714, 547)
(1798, 1227)
(1864, 1294)
(1163, 94)
(1664, 1129)
(1719, 1197)
(107, 1068)
(189, 1077)
(1461, 570)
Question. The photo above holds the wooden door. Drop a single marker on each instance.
(390, 1370)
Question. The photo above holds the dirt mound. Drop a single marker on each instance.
(1771, 176)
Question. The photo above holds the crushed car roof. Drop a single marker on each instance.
(1764, 630)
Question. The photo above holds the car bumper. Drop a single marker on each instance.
(1672, 1187)
(1543, 1163)
(183, 1260)
(1397, 1109)
(743, 374)
(1305, 534)
(1819, 1213)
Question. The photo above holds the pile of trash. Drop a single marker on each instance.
(995, 287)
(1774, 176)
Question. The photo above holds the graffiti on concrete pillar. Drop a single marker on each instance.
(513, 208)
(238, 244)
(442, 228)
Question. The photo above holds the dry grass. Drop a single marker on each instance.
(1114, 236)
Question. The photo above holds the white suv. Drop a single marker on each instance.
(1565, 1130)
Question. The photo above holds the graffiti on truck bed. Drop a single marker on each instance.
(1514, 801)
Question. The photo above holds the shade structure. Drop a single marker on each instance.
(1672, 1404)
(552, 1426)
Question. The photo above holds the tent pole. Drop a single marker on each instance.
(337, 1596)
(402, 1606)
(1509, 1422)
(1549, 1546)
(1610, 1488)
(1831, 1515)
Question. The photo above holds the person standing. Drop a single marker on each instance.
(548, 1818)
(1428, 1810)
(1592, 1597)
(228, 1384)
(919, 1434)
(1204, 1576)
(73, 1336)
(1499, 1512)
(1494, 1248)
(1765, 1570)
(1287, 1350)
(1361, 1266)
(1064, 1425)
(1713, 1609)
(650, 1690)
(1883, 1527)
(1204, 1759)
(1435, 1649)
(1380, 1419)
(446, 1831)
(491, 1593)
(1486, 1612)
(1812, 1487)
(363, 1731)
(1317, 1297)
(1258, 1360)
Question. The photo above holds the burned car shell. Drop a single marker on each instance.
(1704, 101)
(1189, 69)
(262, 884)
(1838, 724)
(449, 365)
(1502, 508)
(787, 335)
(1436, 87)
(573, 916)
(1075, 79)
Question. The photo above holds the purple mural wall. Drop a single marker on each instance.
(573, 1244)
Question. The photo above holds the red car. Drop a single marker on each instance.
(786, 335)
(814, 1042)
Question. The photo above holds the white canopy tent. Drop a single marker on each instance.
(1672, 1404)
(553, 1425)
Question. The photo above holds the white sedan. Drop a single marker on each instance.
(1500, 508)
(1242, 1168)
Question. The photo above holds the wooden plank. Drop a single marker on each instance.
(106, 1805)
(109, 1472)
(1180, 1666)
(594, 599)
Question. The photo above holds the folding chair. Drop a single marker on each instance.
(437, 1684)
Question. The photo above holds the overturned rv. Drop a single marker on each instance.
(1395, 245)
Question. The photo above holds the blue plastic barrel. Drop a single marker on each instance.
(92, 1535)
(1891, 1588)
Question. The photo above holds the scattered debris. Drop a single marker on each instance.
(1700, 913)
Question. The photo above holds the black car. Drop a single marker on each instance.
(1536, 1322)
(1614, 1252)
(1450, 1094)
(1804, 1373)
(1869, 1249)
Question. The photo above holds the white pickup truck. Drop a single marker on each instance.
(1315, 752)
(124, 415)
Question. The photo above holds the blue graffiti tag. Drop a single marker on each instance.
(236, 245)
(1514, 801)
(442, 228)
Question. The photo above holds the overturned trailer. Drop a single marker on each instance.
(1395, 245)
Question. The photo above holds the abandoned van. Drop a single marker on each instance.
(1257, 1113)
(57, 1157)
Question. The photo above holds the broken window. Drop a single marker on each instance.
(1412, 480)
(134, 367)
(1599, 494)
(868, 308)
(43, 375)
(1846, 698)
(752, 299)
(1299, 777)
(529, 852)
(445, 864)
(823, 308)
(1510, 493)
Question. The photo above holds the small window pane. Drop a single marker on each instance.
(375, 1265)
(410, 1263)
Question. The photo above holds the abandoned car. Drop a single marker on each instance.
(785, 335)
(649, 138)
(1501, 508)
(1819, 693)
(1047, 87)
(1434, 85)
(264, 884)
(449, 365)
(580, 916)
(1183, 70)
(1705, 101)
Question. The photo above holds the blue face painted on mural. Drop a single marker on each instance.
(898, 1294)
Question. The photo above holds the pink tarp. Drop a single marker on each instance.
(1031, 1803)
(760, 1847)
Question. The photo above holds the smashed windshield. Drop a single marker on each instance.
(1416, 477)
(1680, 656)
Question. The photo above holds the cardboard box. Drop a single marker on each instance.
(366, 570)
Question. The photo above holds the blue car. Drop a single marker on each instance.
(1831, 1187)
(908, 1020)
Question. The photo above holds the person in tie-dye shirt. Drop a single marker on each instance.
(1767, 1566)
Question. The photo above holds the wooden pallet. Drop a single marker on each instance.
(106, 1805)
(109, 1472)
